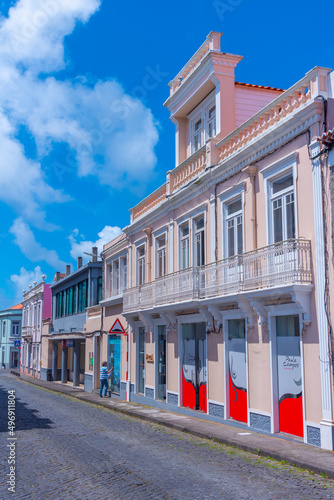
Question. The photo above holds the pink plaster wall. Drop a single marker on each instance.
(249, 100)
(47, 299)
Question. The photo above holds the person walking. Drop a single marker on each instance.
(104, 372)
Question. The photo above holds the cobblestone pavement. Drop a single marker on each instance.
(74, 450)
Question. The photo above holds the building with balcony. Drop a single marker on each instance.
(229, 264)
(10, 336)
(36, 308)
(106, 327)
(73, 294)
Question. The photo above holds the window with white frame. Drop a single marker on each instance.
(199, 241)
(211, 120)
(141, 265)
(282, 200)
(4, 328)
(184, 246)
(202, 123)
(234, 242)
(117, 276)
(15, 328)
(197, 135)
(160, 244)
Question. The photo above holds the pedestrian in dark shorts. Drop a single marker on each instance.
(104, 372)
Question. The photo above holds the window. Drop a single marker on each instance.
(99, 290)
(283, 208)
(234, 228)
(15, 328)
(4, 328)
(141, 265)
(117, 276)
(211, 129)
(199, 253)
(197, 135)
(60, 304)
(184, 247)
(202, 123)
(82, 295)
(161, 256)
(71, 300)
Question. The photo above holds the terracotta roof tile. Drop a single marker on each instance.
(264, 87)
(18, 306)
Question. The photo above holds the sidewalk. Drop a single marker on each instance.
(279, 448)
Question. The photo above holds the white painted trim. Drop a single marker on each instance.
(171, 247)
(272, 173)
(219, 403)
(226, 198)
(260, 412)
(162, 231)
(212, 229)
(327, 429)
(194, 212)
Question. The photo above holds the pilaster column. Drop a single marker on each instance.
(76, 363)
(64, 365)
(327, 424)
(54, 359)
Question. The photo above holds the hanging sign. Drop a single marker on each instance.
(117, 327)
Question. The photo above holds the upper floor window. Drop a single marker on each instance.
(4, 328)
(199, 242)
(202, 123)
(71, 300)
(99, 290)
(117, 276)
(211, 129)
(234, 228)
(15, 328)
(184, 246)
(60, 304)
(141, 265)
(283, 208)
(161, 268)
(197, 135)
(82, 295)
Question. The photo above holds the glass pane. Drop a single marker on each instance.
(161, 241)
(233, 207)
(199, 223)
(240, 235)
(184, 231)
(236, 329)
(290, 217)
(230, 239)
(278, 225)
(282, 183)
(287, 326)
(198, 125)
(212, 112)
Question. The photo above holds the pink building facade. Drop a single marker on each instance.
(36, 312)
(223, 277)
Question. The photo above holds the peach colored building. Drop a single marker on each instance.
(227, 269)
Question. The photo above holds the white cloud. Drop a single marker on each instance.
(111, 135)
(25, 240)
(26, 278)
(78, 248)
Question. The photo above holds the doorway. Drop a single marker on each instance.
(194, 372)
(114, 357)
(289, 375)
(162, 362)
(237, 369)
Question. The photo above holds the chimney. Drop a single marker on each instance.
(94, 252)
(79, 262)
(68, 270)
(57, 276)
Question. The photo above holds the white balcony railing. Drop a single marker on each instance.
(288, 262)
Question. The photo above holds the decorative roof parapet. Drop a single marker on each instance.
(211, 44)
(148, 203)
(187, 170)
(313, 84)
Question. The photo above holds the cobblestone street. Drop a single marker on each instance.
(74, 450)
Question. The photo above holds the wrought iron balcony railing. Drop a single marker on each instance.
(284, 263)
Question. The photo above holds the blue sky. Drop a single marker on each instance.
(84, 135)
